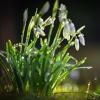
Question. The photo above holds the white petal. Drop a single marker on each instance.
(81, 39)
(66, 35)
(62, 16)
(40, 31)
(62, 7)
(72, 27)
(76, 44)
(66, 31)
(67, 27)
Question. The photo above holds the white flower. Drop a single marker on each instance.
(66, 31)
(62, 16)
(81, 39)
(62, 13)
(76, 44)
(62, 7)
(38, 31)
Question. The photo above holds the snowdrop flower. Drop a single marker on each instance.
(62, 7)
(81, 39)
(38, 31)
(62, 16)
(62, 13)
(69, 30)
(76, 44)
(66, 31)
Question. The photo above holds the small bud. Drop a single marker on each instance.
(81, 39)
(76, 44)
(25, 16)
(62, 7)
(45, 8)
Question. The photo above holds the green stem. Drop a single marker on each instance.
(30, 27)
(57, 35)
(65, 49)
(32, 44)
(22, 37)
(50, 32)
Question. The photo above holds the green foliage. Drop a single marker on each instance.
(39, 70)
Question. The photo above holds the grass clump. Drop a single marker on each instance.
(39, 70)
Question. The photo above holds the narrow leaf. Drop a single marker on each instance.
(55, 8)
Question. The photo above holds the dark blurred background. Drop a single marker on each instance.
(82, 12)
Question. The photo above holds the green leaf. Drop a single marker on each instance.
(55, 8)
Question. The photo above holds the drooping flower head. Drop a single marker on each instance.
(69, 29)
